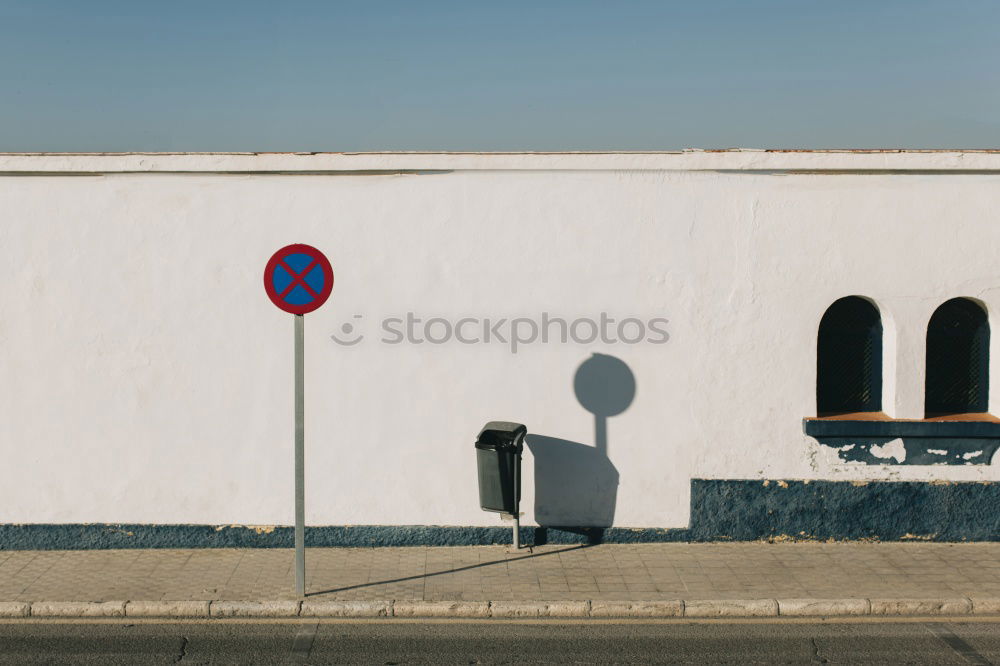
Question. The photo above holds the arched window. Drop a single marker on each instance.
(958, 356)
(849, 358)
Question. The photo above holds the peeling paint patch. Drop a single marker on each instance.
(966, 446)
(893, 449)
(259, 529)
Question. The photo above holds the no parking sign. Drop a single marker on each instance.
(298, 279)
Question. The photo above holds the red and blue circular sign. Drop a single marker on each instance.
(298, 278)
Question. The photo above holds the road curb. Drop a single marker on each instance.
(78, 609)
(731, 608)
(515, 609)
(960, 606)
(15, 609)
(653, 609)
(254, 609)
(167, 609)
(335, 608)
(441, 609)
(507, 609)
(824, 607)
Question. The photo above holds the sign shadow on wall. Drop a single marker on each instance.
(576, 485)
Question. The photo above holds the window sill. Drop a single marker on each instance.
(875, 439)
(877, 424)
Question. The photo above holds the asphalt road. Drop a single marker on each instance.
(498, 642)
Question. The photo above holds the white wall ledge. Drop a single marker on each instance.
(768, 161)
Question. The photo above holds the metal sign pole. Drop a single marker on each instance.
(298, 279)
(517, 502)
(300, 498)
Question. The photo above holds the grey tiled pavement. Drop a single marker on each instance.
(551, 573)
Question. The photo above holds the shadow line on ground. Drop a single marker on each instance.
(448, 571)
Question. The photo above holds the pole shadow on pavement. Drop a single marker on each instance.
(505, 560)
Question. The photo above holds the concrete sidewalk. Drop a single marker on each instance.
(666, 580)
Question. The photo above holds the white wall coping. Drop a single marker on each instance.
(739, 160)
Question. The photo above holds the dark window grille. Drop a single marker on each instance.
(849, 358)
(958, 358)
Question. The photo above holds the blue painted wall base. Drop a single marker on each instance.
(721, 510)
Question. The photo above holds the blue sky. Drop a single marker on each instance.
(475, 75)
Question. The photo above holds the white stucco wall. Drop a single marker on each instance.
(145, 377)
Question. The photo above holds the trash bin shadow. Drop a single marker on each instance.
(576, 485)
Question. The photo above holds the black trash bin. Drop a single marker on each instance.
(498, 457)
